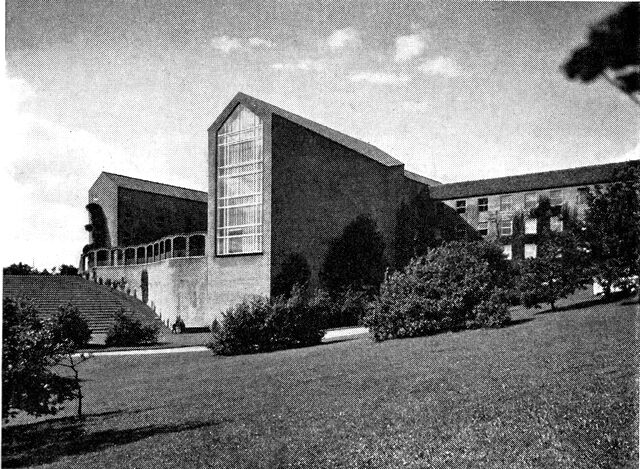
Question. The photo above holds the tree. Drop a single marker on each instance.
(20, 269)
(612, 51)
(414, 234)
(612, 231)
(558, 270)
(293, 270)
(355, 259)
(32, 350)
(67, 270)
(71, 332)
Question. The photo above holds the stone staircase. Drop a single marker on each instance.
(97, 303)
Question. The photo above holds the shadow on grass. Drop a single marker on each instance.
(517, 322)
(45, 442)
(592, 302)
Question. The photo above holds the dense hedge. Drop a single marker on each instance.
(456, 286)
(126, 331)
(345, 309)
(261, 324)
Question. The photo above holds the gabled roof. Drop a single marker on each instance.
(582, 176)
(262, 107)
(421, 179)
(156, 187)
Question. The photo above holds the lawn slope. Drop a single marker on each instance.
(552, 390)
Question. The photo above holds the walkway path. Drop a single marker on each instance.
(335, 334)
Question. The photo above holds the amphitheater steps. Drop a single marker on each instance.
(97, 303)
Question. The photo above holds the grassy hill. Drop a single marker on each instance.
(552, 390)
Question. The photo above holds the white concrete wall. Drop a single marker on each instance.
(177, 286)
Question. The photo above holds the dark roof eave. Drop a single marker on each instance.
(585, 175)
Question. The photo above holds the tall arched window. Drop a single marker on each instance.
(239, 184)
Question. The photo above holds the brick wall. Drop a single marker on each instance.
(320, 186)
(144, 217)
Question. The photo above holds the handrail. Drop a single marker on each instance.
(120, 259)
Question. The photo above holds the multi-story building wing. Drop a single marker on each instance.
(280, 184)
(500, 208)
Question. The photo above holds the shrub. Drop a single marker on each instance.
(260, 324)
(458, 285)
(128, 331)
(347, 309)
(294, 270)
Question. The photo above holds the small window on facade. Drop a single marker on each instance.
(483, 204)
(483, 228)
(461, 231)
(530, 201)
(506, 227)
(461, 206)
(555, 197)
(507, 251)
(506, 203)
(530, 251)
(530, 226)
(582, 197)
(555, 224)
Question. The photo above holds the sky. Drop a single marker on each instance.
(455, 90)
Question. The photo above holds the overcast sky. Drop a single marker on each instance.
(456, 91)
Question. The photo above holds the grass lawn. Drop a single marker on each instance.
(552, 390)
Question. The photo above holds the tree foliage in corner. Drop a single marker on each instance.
(355, 259)
(612, 51)
(612, 231)
(414, 234)
(32, 350)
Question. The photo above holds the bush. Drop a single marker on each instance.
(128, 331)
(456, 286)
(260, 324)
(347, 309)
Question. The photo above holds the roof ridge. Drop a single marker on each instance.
(580, 175)
(109, 174)
(360, 146)
(592, 166)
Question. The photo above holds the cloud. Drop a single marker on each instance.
(410, 46)
(226, 44)
(259, 42)
(305, 64)
(343, 37)
(380, 78)
(445, 66)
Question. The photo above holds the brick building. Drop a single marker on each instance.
(281, 184)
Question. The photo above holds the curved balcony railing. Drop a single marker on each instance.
(178, 245)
